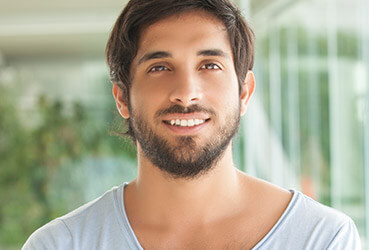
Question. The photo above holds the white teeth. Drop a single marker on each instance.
(186, 123)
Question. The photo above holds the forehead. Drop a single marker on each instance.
(185, 28)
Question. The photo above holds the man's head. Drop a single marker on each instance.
(122, 46)
(183, 79)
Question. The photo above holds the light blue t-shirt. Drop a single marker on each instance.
(103, 224)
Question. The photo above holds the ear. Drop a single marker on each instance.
(122, 106)
(247, 91)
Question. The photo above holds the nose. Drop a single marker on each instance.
(186, 90)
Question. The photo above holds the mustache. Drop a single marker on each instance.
(178, 109)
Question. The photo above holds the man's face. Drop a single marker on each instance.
(184, 99)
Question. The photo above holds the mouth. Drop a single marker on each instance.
(185, 122)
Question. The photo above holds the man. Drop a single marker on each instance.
(182, 78)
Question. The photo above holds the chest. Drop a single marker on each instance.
(224, 236)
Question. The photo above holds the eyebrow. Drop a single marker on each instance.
(164, 54)
(154, 55)
(212, 52)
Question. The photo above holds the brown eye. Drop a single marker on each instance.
(210, 66)
(158, 68)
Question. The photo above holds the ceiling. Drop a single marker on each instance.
(39, 28)
(58, 6)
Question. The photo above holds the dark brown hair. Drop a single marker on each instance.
(122, 45)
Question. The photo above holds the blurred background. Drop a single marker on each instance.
(307, 126)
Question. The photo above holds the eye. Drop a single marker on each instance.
(158, 68)
(210, 66)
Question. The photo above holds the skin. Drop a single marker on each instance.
(225, 208)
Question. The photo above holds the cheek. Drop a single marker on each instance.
(223, 91)
(150, 87)
(145, 101)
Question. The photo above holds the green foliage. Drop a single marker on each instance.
(30, 156)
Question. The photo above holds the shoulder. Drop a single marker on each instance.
(296, 205)
(303, 222)
(66, 231)
(309, 224)
(53, 235)
(313, 212)
(325, 225)
(93, 211)
(347, 237)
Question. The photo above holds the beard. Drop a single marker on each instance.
(184, 158)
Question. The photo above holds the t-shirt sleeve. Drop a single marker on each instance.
(347, 237)
(54, 235)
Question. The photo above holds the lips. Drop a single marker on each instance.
(185, 120)
(185, 123)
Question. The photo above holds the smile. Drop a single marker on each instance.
(186, 123)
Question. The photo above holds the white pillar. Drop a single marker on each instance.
(334, 100)
(293, 102)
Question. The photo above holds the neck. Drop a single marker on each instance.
(207, 198)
